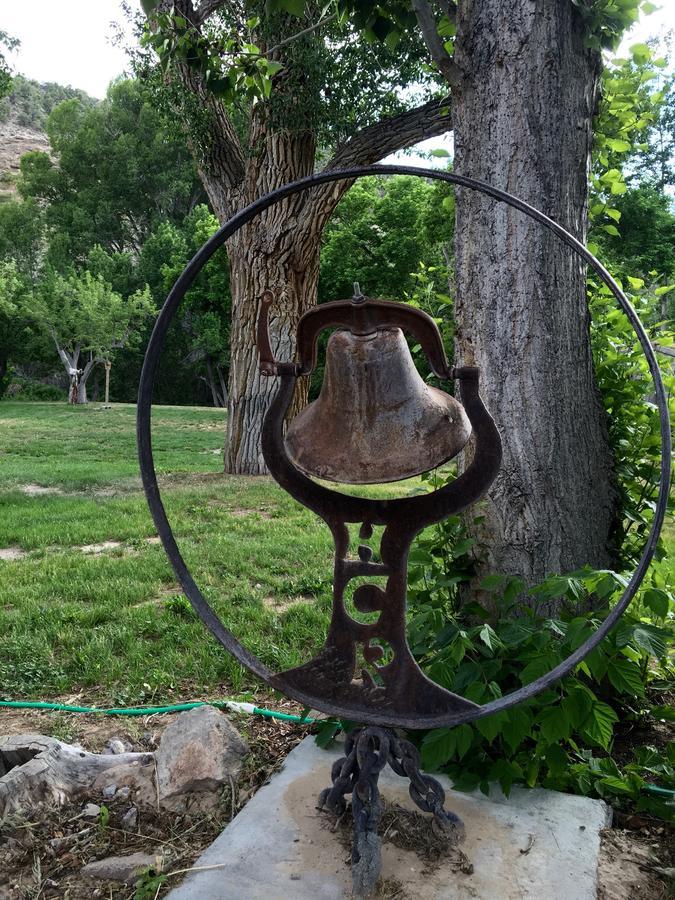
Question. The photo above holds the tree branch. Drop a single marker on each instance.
(376, 141)
(205, 9)
(435, 45)
(220, 157)
(371, 144)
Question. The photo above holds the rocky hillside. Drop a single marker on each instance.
(15, 140)
(23, 116)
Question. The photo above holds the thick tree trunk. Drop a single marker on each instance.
(292, 272)
(523, 122)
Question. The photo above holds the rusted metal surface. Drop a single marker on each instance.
(375, 419)
(396, 692)
(403, 517)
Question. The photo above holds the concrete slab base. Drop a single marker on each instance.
(535, 844)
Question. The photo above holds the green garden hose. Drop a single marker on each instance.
(233, 705)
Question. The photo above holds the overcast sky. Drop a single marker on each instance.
(70, 41)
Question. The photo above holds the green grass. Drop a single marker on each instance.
(113, 624)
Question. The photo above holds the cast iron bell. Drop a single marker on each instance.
(375, 419)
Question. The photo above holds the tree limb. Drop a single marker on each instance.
(373, 143)
(220, 158)
(376, 141)
(205, 9)
(435, 45)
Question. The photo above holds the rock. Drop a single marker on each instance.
(116, 746)
(127, 869)
(199, 752)
(130, 818)
(109, 791)
(91, 811)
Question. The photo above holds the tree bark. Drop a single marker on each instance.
(522, 114)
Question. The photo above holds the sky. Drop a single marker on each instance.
(70, 43)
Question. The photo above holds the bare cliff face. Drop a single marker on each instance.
(15, 140)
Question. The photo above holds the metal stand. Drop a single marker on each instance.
(368, 750)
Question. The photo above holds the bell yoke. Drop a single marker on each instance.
(375, 421)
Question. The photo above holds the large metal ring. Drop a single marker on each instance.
(202, 608)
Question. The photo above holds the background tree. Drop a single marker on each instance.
(87, 321)
(524, 84)
(381, 231)
(323, 96)
(120, 169)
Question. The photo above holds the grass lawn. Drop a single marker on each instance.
(89, 603)
(111, 621)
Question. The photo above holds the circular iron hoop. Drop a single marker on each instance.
(149, 477)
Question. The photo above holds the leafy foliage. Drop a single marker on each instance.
(30, 102)
(7, 42)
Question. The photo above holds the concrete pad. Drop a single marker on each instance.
(535, 844)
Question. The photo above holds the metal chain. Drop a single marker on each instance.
(367, 752)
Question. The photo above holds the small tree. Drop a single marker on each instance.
(88, 321)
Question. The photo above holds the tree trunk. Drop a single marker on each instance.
(212, 384)
(523, 113)
(223, 386)
(108, 367)
(280, 251)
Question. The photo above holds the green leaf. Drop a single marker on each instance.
(613, 213)
(464, 738)
(657, 601)
(600, 724)
(667, 713)
(625, 676)
(516, 727)
(611, 229)
(488, 637)
(328, 730)
(506, 772)
(651, 639)
(149, 5)
(440, 152)
(554, 724)
(618, 145)
(619, 785)
(438, 747)
(640, 53)
(556, 759)
(490, 726)
(635, 283)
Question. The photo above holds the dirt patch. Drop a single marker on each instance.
(629, 862)
(241, 513)
(37, 490)
(281, 604)
(96, 549)
(11, 553)
(407, 830)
